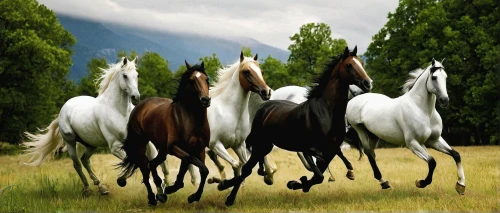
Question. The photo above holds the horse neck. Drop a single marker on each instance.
(235, 95)
(118, 99)
(190, 108)
(421, 97)
(335, 96)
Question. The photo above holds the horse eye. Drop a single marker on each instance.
(125, 76)
(349, 65)
(434, 77)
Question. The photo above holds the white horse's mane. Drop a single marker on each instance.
(412, 79)
(107, 75)
(224, 76)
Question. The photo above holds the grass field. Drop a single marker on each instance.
(55, 187)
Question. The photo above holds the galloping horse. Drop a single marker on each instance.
(315, 127)
(93, 122)
(177, 126)
(410, 120)
(298, 94)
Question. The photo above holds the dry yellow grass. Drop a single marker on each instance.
(54, 186)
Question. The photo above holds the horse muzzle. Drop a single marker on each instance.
(136, 98)
(205, 101)
(444, 102)
(365, 85)
(265, 94)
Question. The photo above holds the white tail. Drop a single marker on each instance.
(42, 146)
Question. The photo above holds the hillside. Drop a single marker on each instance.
(99, 39)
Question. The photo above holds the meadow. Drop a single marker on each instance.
(55, 187)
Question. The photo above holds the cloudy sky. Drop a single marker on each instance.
(269, 21)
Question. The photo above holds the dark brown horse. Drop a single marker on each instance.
(315, 127)
(178, 127)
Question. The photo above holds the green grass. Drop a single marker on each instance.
(55, 187)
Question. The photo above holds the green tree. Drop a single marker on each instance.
(155, 76)
(88, 85)
(311, 48)
(463, 32)
(35, 56)
(246, 51)
(275, 73)
(212, 65)
(123, 53)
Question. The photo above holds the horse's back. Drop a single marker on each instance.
(379, 114)
(294, 94)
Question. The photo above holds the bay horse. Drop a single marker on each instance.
(92, 122)
(315, 127)
(411, 120)
(177, 126)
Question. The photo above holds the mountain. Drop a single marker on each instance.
(101, 39)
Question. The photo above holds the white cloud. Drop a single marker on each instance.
(270, 22)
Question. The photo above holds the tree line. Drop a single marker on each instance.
(35, 57)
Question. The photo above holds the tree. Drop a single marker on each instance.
(311, 48)
(246, 51)
(275, 73)
(35, 56)
(88, 85)
(212, 65)
(155, 78)
(463, 32)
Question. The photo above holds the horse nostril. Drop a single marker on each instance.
(366, 84)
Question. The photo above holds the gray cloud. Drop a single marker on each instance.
(270, 22)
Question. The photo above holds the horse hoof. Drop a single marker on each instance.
(420, 183)
(192, 198)
(386, 185)
(261, 172)
(350, 175)
(229, 202)
(210, 181)
(121, 182)
(294, 185)
(268, 180)
(86, 191)
(460, 188)
(331, 179)
(222, 186)
(162, 197)
(216, 180)
(152, 203)
(103, 190)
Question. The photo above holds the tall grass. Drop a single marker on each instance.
(55, 187)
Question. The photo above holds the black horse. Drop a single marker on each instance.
(315, 127)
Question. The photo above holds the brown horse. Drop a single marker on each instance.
(178, 127)
(315, 127)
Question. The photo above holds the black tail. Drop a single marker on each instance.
(135, 148)
(352, 138)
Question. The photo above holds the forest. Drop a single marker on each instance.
(35, 59)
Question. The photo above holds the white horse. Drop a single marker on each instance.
(410, 120)
(93, 122)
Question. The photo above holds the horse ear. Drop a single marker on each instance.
(135, 59)
(442, 61)
(124, 61)
(241, 57)
(256, 56)
(346, 53)
(187, 65)
(354, 52)
(202, 65)
(433, 61)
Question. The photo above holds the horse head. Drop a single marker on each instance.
(353, 72)
(128, 78)
(251, 78)
(437, 84)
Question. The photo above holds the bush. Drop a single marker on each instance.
(10, 149)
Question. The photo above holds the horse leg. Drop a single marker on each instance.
(195, 177)
(258, 153)
(420, 151)
(77, 165)
(442, 146)
(145, 179)
(89, 151)
(151, 153)
(305, 184)
(369, 142)
(200, 163)
(116, 150)
(219, 149)
(270, 170)
(348, 165)
(219, 165)
(241, 152)
(179, 182)
(153, 164)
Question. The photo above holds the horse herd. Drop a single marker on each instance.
(241, 112)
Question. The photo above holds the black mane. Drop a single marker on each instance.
(181, 89)
(323, 79)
